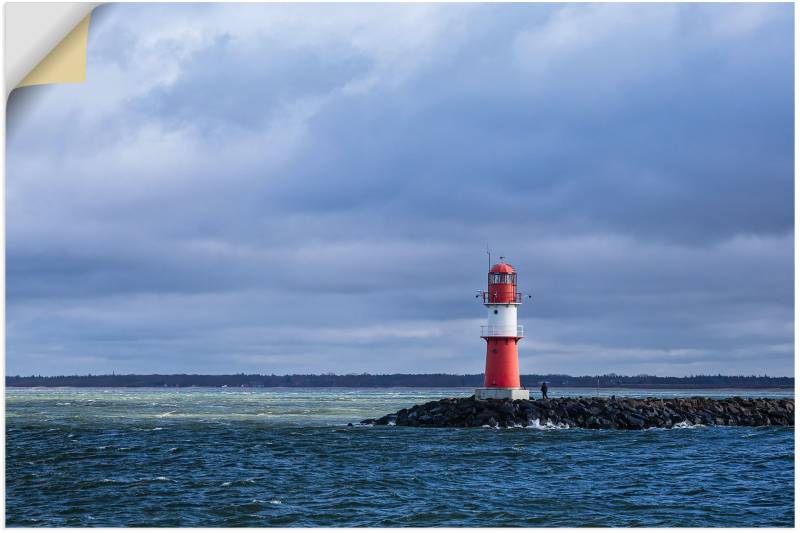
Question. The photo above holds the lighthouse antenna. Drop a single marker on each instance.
(490, 255)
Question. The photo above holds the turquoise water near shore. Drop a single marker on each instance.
(286, 457)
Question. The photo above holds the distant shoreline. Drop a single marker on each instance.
(362, 381)
(552, 389)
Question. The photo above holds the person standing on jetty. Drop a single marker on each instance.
(544, 390)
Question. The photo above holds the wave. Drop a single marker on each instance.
(548, 425)
(686, 425)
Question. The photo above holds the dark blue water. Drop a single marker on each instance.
(286, 458)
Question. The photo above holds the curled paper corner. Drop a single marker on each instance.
(66, 63)
(45, 42)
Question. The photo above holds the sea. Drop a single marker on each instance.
(287, 457)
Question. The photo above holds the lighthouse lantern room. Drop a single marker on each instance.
(502, 334)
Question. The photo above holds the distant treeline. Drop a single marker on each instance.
(391, 380)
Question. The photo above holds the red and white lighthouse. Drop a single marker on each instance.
(502, 334)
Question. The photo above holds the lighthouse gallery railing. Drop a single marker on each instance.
(491, 297)
(500, 331)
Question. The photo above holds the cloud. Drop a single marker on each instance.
(303, 188)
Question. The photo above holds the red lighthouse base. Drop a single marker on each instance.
(502, 363)
(501, 379)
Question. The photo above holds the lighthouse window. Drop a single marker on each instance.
(501, 278)
(495, 311)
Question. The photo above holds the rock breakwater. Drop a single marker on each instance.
(595, 413)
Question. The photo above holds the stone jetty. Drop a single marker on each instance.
(595, 413)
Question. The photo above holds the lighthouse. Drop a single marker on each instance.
(502, 334)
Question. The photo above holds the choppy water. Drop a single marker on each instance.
(285, 457)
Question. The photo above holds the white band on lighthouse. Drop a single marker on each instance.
(503, 317)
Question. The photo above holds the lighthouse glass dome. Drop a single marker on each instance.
(502, 285)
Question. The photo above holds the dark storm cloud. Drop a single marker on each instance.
(306, 188)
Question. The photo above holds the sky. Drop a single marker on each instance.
(309, 189)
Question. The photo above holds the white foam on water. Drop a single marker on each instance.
(275, 502)
(548, 425)
(680, 425)
(687, 425)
